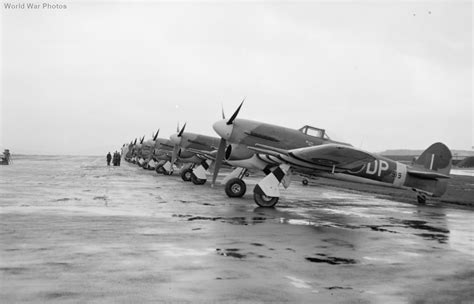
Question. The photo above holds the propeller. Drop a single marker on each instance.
(234, 116)
(156, 135)
(174, 155)
(182, 130)
(219, 158)
(223, 145)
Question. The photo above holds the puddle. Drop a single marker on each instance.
(13, 270)
(338, 287)
(67, 199)
(57, 295)
(229, 220)
(417, 224)
(100, 198)
(323, 258)
(231, 252)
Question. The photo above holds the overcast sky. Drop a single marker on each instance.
(86, 79)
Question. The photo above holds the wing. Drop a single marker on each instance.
(330, 157)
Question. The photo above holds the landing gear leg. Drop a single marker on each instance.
(266, 192)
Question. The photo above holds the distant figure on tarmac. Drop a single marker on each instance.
(109, 158)
(5, 157)
(116, 160)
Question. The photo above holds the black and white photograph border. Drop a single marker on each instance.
(236, 152)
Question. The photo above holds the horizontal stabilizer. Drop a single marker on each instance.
(426, 174)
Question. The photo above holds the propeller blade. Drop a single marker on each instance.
(222, 108)
(177, 127)
(135, 142)
(156, 135)
(143, 138)
(219, 158)
(234, 116)
(174, 155)
(182, 130)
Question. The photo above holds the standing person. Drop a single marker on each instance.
(109, 157)
(115, 159)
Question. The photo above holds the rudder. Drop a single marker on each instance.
(436, 158)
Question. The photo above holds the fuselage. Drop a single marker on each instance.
(244, 133)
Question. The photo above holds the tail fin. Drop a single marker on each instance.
(437, 158)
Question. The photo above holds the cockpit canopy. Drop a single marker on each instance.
(313, 131)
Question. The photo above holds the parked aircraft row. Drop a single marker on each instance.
(280, 153)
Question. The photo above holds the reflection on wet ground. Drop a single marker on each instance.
(107, 234)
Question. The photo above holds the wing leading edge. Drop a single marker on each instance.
(329, 157)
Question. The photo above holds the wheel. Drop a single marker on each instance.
(421, 199)
(265, 201)
(235, 188)
(186, 175)
(305, 182)
(197, 181)
(159, 169)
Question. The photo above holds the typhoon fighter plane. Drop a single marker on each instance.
(308, 151)
(197, 151)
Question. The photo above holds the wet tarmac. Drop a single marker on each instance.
(74, 230)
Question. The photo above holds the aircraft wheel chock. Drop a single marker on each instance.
(235, 188)
(197, 181)
(186, 175)
(265, 201)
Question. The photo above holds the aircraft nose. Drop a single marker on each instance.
(175, 139)
(223, 129)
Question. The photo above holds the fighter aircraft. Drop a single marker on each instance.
(133, 157)
(145, 153)
(281, 152)
(197, 150)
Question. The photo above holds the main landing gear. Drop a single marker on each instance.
(186, 174)
(421, 198)
(164, 167)
(265, 201)
(266, 192)
(235, 186)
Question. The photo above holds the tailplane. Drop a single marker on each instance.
(430, 171)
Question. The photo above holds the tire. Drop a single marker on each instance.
(197, 181)
(304, 182)
(421, 199)
(235, 188)
(265, 201)
(159, 169)
(186, 175)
